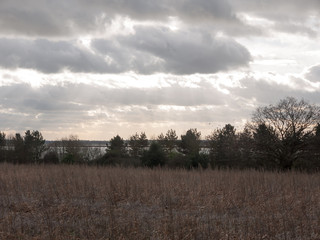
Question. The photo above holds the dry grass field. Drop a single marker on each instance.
(79, 202)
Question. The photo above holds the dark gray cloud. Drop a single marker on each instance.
(187, 52)
(125, 58)
(152, 49)
(73, 17)
(63, 18)
(49, 56)
(194, 48)
(313, 74)
(146, 51)
(203, 10)
(50, 18)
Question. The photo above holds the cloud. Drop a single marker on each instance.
(147, 51)
(68, 40)
(152, 49)
(265, 92)
(186, 52)
(63, 18)
(49, 56)
(204, 10)
(313, 74)
(50, 18)
(84, 97)
(79, 17)
(295, 16)
(277, 7)
(91, 109)
(54, 107)
(294, 28)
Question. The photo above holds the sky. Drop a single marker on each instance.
(100, 68)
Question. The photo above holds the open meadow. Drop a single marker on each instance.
(81, 202)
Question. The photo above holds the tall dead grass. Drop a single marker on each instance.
(79, 202)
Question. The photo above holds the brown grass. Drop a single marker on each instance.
(78, 202)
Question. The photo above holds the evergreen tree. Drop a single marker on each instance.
(190, 142)
(155, 156)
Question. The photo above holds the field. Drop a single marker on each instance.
(81, 202)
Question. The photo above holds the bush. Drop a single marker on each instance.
(69, 159)
(51, 157)
(197, 160)
(176, 160)
(110, 160)
(311, 164)
(155, 156)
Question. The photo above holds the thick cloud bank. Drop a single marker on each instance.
(48, 56)
(61, 18)
(147, 51)
(73, 17)
(152, 49)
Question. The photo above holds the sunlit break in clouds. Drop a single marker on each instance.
(101, 68)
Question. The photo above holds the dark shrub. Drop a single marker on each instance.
(155, 156)
(51, 157)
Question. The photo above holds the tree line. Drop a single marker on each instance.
(283, 136)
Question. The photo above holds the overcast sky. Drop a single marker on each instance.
(104, 67)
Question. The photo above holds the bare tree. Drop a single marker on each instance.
(70, 149)
(292, 122)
